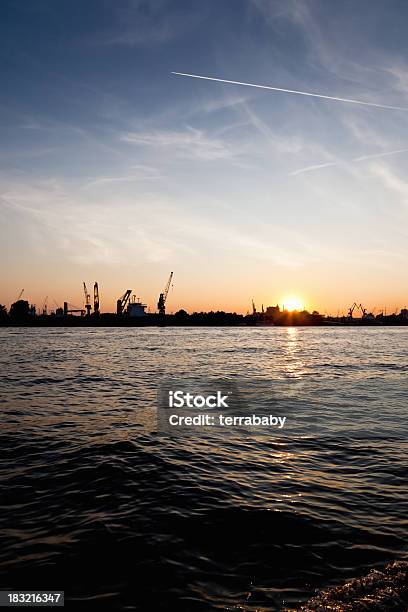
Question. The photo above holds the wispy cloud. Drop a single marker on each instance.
(189, 143)
(215, 105)
(137, 173)
(391, 180)
(366, 69)
(354, 160)
(89, 230)
(288, 144)
(314, 167)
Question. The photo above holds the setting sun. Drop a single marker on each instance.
(292, 303)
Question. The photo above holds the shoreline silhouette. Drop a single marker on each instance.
(22, 314)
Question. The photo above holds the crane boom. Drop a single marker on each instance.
(351, 310)
(44, 307)
(161, 304)
(358, 307)
(167, 288)
(96, 298)
(122, 302)
(87, 300)
(362, 310)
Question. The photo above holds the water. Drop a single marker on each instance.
(98, 504)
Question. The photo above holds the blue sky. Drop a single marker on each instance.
(112, 169)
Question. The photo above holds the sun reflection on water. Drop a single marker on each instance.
(294, 365)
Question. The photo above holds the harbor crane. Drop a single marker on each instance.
(123, 301)
(161, 304)
(44, 309)
(20, 295)
(351, 310)
(96, 299)
(87, 301)
(359, 307)
(253, 308)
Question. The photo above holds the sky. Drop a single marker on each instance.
(115, 170)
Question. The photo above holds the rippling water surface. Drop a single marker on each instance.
(101, 505)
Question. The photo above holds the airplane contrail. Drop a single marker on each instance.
(354, 160)
(292, 91)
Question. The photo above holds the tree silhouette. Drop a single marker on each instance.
(20, 310)
(3, 313)
(181, 313)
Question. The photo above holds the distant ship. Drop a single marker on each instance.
(136, 308)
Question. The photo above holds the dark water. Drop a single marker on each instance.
(97, 503)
